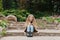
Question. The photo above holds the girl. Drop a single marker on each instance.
(30, 25)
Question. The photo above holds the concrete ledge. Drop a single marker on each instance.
(48, 31)
(39, 31)
(14, 31)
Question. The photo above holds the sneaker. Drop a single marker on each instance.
(29, 34)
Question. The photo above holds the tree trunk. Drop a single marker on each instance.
(0, 5)
(23, 4)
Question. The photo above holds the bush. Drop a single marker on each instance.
(3, 33)
(3, 25)
(20, 14)
(39, 14)
(57, 19)
(48, 19)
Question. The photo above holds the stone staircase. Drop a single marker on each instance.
(45, 32)
(17, 29)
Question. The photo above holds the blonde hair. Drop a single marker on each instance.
(33, 22)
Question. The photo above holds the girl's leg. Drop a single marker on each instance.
(28, 29)
(31, 28)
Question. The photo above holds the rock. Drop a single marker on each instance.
(11, 18)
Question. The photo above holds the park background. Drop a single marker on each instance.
(22, 8)
(46, 12)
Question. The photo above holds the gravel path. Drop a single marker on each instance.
(31, 38)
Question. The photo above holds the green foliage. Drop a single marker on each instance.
(20, 14)
(3, 33)
(3, 23)
(48, 19)
(39, 14)
(57, 19)
(38, 8)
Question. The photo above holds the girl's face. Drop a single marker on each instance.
(31, 18)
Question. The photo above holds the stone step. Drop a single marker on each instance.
(16, 25)
(48, 32)
(45, 32)
(20, 25)
(44, 26)
(15, 32)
